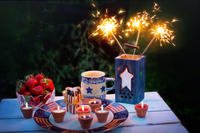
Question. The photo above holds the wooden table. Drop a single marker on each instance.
(159, 118)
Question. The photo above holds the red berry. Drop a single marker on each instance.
(27, 93)
(39, 77)
(22, 90)
(38, 90)
(47, 84)
(31, 82)
(35, 100)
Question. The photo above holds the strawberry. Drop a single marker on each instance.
(27, 93)
(38, 90)
(47, 84)
(39, 76)
(31, 82)
(35, 100)
(22, 90)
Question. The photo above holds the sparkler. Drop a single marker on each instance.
(107, 28)
(138, 23)
(162, 33)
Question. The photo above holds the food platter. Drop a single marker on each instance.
(117, 115)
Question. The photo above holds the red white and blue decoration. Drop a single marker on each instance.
(93, 84)
(126, 79)
(129, 80)
(120, 114)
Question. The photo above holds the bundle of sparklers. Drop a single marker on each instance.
(110, 28)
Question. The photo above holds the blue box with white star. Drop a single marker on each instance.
(129, 78)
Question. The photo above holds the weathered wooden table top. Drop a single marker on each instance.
(159, 118)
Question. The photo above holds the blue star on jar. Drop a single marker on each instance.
(102, 88)
(89, 90)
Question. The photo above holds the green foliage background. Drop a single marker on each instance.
(43, 37)
(34, 41)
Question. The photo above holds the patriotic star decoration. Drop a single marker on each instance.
(103, 89)
(126, 79)
(89, 90)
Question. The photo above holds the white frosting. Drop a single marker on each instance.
(59, 111)
(102, 111)
(27, 108)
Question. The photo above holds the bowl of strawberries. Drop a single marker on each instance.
(36, 90)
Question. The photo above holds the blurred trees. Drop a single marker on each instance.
(42, 38)
(52, 37)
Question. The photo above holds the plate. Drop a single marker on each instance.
(117, 115)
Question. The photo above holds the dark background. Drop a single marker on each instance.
(44, 37)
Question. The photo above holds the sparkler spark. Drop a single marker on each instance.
(93, 5)
(161, 33)
(108, 25)
(121, 11)
(107, 28)
(95, 14)
(138, 23)
(156, 7)
(174, 20)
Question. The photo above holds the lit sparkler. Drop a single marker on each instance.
(107, 28)
(162, 33)
(138, 23)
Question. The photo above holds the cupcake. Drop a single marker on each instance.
(94, 103)
(27, 111)
(102, 114)
(83, 109)
(58, 114)
(85, 120)
(141, 110)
